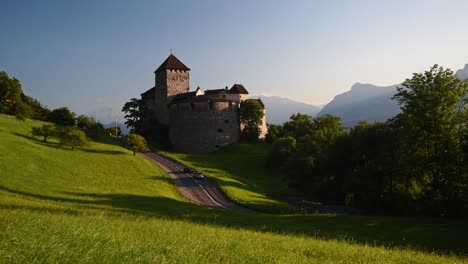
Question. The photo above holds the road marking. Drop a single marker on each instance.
(209, 196)
(176, 166)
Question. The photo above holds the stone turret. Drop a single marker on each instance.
(171, 78)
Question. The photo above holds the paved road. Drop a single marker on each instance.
(201, 192)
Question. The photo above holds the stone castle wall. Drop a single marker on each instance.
(205, 126)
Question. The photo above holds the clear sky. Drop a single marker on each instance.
(95, 55)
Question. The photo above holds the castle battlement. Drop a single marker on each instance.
(198, 121)
(205, 106)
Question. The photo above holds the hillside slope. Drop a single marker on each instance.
(101, 204)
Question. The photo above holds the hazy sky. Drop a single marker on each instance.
(95, 55)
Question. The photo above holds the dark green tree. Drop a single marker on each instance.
(85, 122)
(281, 151)
(132, 110)
(432, 124)
(298, 125)
(10, 94)
(251, 115)
(62, 116)
(274, 132)
(45, 131)
(38, 111)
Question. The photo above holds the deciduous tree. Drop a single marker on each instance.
(62, 116)
(132, 110)
(136, 143)
(432, 124)
(251, 116)
(45, 131)
(73, 136)
(10, 93)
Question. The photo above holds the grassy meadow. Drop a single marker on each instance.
(99, 203)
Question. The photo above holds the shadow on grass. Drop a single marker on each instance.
(99, 151)
(422, 234)
(28, 137)
(59, 146)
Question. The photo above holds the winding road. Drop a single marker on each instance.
(201, 192)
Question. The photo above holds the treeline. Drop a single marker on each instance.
(413, 164)
(14, 102)
(65, 125)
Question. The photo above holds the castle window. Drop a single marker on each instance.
(220, 130)
(226, 121)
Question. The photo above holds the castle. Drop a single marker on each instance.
(198, 121)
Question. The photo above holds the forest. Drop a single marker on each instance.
(413, 164)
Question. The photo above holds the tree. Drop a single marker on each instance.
(298, 125)
(274, 132)
(38, 111)
(45, 131)
(85, 122)
(22, 110)
(431, 128)
(133, 114)
(136, 143)
(73, 136)
(10, 93)
(251, 116)
(282, 150)
(62, 116)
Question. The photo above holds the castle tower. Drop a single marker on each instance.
(171, 78)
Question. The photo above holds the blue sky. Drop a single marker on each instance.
(95, 55)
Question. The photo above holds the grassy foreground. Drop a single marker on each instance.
(241, 173)
(101, 204)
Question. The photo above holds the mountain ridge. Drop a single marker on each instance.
(368, 102)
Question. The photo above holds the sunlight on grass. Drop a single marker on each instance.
(101, 204)
(240, 172)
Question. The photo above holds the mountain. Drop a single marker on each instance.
(368, 102)
(279, 109)
(363, 102)
(125, 130)
(463, 73)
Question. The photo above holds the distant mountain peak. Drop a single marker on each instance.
(463, 73)
(368, 102)
(279, 109)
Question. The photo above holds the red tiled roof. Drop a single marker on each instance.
(172, 63)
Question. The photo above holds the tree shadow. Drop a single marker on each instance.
(28, 137)
(57, 145)
(442, 236)
(99, 151)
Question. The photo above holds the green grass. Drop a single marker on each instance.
(102, 204)
(241, 173)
